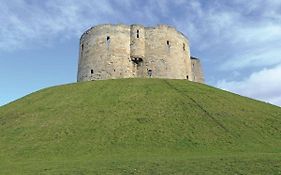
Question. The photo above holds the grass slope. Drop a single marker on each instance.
(139, 126)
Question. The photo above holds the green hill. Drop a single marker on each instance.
(139, 126)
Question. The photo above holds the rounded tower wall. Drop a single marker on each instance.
(105, 53)
(167, 53)
(121, 51)
(137, 44)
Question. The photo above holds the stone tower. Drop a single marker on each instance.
(121, 51)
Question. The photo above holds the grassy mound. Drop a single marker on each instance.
(139, 126)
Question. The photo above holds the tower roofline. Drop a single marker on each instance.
(125, 25)
(194, 58)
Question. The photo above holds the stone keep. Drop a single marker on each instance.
(122, 51)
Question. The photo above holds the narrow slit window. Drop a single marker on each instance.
(168, 47)
(107, 41)
(82, 47)
(138, 33)
(168, 43)
(183, 47)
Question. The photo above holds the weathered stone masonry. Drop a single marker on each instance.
(121, 51)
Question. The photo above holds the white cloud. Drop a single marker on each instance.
(257, 46)
(263, 32)
(23, 22)
(242, 34)
(259, 56)
(263, 85)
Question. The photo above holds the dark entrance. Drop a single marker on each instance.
(149, 73)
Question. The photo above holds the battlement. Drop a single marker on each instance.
(112, 51)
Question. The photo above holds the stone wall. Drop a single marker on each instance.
(105, 53)
(167, 53)
(121, 51)
(197, 71)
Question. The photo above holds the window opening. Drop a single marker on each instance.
(168, 46)
(138, 33)
(183, 47)
(149, 73)
(107, 41)
(92, 71)
(168, 43)
(137, 61)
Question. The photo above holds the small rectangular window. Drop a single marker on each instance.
(92, 71)
(168, 43)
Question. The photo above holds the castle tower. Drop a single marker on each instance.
(121, 51)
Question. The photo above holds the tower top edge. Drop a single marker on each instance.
(158, 26)
(194, 58)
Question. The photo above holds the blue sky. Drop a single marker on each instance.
(238, 41)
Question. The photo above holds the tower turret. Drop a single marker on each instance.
(137, 48)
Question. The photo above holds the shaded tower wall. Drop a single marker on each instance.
(197, 70)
